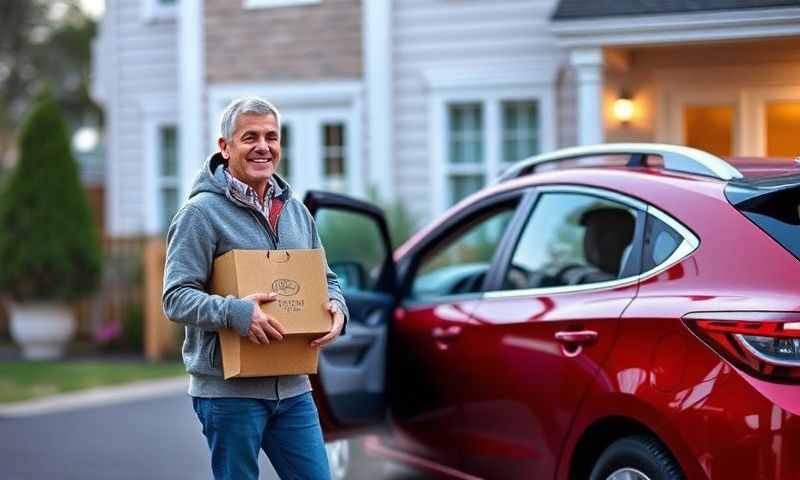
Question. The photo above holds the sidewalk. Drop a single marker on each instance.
(96, 397)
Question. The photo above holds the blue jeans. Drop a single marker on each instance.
(288, 431)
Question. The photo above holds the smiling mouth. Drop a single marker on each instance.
(260, 160)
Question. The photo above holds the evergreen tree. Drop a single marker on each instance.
(49, 248)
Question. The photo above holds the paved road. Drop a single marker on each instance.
(152, 439)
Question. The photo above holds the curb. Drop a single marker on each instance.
(96, 397)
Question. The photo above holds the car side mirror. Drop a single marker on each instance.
(352, 275)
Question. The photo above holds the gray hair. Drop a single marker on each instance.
(227, 124)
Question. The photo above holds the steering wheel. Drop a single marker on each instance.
(469, 284)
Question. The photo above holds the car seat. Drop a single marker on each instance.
(608, 232)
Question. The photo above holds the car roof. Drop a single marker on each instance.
(685, 172)
(672, 157)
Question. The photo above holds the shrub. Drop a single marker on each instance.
(49, 248)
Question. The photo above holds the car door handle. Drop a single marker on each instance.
(577, 337)
(444, 334)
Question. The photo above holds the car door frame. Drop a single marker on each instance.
(632, 267)
(408, 265)
(383, 296)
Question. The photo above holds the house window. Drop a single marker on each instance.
(333, 156)
(159, 10)
(465, 166)
(167, 174)
(286, 152)
(485, 137)
(520, 131)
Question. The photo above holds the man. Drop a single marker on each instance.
(238, 201)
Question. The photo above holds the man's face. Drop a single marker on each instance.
(254, 151)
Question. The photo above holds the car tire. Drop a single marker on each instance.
(349, 461)
(639, 457)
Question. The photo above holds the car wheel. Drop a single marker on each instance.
(636, 458)
(348, 461)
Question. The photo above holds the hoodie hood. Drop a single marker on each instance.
(211, 178)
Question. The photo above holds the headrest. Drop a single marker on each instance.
(608, 232)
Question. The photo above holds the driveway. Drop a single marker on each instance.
(145, 439)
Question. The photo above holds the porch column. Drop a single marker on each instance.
(191, 79)
(588, 64)
(377, 31)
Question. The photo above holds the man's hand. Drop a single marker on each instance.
(263, 327)
(336, 328)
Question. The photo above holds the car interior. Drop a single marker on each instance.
(607, 238)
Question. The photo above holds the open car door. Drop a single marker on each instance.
(350, 385)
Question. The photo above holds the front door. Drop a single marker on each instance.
(538, 338)
(349, 388)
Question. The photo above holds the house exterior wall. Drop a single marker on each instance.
(139, 60)
(308, 61)
(657, 77)
(304, 42)
(447, 50)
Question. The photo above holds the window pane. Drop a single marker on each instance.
(571, 239)
(466, 133)
(459, 263)
(334, 149)
(783, 129)
(709, 128)
(169, 205)
(286, 151)
(463, 185)
(520, 130)
(659, 242)
(353, 246)
(168, 151)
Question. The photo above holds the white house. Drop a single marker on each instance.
(427, 100)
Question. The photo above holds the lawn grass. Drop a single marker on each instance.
(27, 380)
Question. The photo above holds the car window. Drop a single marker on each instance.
(459, 262)
(660, 241)
(571, 239)
(354, 248)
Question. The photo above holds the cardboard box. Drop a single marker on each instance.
(298, 277)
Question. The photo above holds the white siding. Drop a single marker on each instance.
(435, 35)
(567, 108)
(142, 79)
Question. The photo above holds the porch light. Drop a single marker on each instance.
(623, 108)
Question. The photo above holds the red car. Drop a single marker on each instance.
(622, 311)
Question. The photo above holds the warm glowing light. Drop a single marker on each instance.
(85, 139)
(623, 109)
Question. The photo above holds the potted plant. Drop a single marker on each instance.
(50, 255)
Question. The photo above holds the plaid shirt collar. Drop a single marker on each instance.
(247, 195)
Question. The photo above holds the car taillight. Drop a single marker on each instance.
(764, 344)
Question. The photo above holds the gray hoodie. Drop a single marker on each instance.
(210, 223)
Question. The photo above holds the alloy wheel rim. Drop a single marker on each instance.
(627, 473)
(338, 458)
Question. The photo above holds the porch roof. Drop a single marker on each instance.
(581, 9)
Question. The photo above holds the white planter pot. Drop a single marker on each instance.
(42, 329)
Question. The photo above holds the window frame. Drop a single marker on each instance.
(259, 4)
(305, 108)
(491, 101)
(410, 263)
(166, 181)
(633, 272)
(157, 115)
(153, 11)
